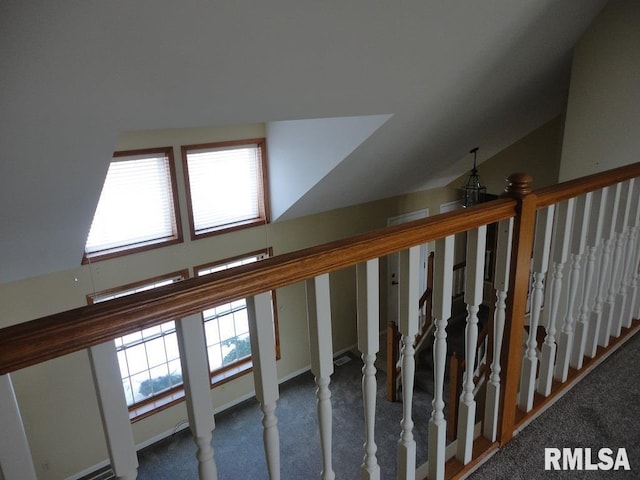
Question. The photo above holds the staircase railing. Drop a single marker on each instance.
(602, 211)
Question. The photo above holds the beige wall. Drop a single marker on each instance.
(602, 128)
(537, 154)
(57, 400)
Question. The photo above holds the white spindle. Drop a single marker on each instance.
(608, 232)
(501, 285)
(442, 290)
(476, 250)
(265, 375)
(621, 281)
(197, 389)
(15, 457)
(321, 348)
(540, 265)
(563, 219)
(408, 327)
(369, 344)
(594, 237)
(617, 240)
(113, 410)
(578, 245)
(632, 263)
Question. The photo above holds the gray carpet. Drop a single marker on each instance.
(602, 410)
(587, 416)
(237, 438)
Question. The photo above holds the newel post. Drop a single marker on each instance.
(511, 356)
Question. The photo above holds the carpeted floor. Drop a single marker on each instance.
(237, 438)
(590, 415)
(601, 411)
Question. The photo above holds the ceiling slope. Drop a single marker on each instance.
(75, 74)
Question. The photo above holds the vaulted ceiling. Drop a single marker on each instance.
(389, 96)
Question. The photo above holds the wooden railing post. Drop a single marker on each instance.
(511, 355)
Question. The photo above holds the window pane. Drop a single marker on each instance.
(241, 321)
(211, 332)
(135, 205)
(132, 338)
(215, 357)
(171, 346)
(224, 184)
(160, 379)
(128, 391)
(155, 352)
(122, 362)
(141, 386)
(137, 359)
(227, 329)
(151, 332)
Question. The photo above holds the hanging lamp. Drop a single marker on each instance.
(473, 191)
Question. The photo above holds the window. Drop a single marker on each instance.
(227, 328)
(137, 208)
(225, 185)
(149, 359)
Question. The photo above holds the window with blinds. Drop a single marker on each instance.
(225, 186)
(137, 208)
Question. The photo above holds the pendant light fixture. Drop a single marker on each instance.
(473, 191)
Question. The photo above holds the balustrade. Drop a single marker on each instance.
(597, 217)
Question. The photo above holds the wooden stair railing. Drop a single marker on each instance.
(456, 371)
(49, 337)
(425, 305)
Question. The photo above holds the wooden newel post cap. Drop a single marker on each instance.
(518, 185)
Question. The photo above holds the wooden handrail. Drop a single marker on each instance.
(35, 341)
(563, 191)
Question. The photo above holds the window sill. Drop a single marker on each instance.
(169, 399)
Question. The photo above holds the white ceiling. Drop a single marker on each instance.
(443, 76)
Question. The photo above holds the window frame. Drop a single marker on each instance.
(263, 196)
(244, 365)
(137, 247)
(170, 396)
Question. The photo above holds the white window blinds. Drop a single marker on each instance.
(225, 186)
(136, 204)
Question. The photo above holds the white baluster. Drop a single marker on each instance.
(369, 344)
(621, 289)
(15, 457)
(634, 253)
(321, 348)
(563, 219)
(501, 285)
(607, 327)
(265, 375)
(113, 410)
(408, 327)
(608, 232)
(442, 290)
(594, 238)
(476, 250)
(540, 265)
(578, 244)
(197, 389)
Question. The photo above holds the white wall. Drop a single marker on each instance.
(602, 128)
